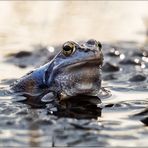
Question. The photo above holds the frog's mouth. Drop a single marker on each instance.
(86, 63)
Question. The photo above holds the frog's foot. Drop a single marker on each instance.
(34, 100)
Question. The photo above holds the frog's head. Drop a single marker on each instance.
(74, 54)
(75, 70)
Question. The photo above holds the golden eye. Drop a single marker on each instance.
(68, 48)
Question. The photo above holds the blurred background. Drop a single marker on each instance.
(25, 23)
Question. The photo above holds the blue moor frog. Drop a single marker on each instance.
(75, 70)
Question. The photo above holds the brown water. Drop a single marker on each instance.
(27, 25)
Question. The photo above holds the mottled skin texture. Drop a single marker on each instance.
(75, 70)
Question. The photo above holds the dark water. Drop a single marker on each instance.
(121, 119)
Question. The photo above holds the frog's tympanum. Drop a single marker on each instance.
(75, 70)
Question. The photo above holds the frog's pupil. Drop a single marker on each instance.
(67, 48)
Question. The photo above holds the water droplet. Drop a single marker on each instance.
(137, 60)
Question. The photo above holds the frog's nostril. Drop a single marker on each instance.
(87, 49)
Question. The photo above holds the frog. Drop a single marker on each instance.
(74, 70)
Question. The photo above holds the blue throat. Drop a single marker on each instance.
(39, 74)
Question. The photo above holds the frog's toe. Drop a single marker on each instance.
(18, 98)
(49, 97)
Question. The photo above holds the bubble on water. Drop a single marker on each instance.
(145, 59)
(143, 65)
(51, 49)
(117, 52)
(122, 56)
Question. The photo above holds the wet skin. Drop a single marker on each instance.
(75, 70)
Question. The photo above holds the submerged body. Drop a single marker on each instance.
(75, 70)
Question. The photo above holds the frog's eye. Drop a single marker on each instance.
(68, 48)
(99, 45)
